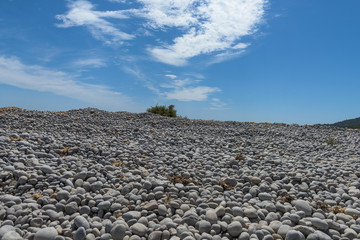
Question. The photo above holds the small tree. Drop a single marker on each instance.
(163, 110)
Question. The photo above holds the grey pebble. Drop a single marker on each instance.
(234, 229)
(80, 234)
(80, 221)
(12, 235)
(294, 235)
(48, 233)
(139, 229)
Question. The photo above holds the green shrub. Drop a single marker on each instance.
(330, 141)
(163, 110)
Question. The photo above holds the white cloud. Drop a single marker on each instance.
(81, 13)
(240, 46)
(206, 26)
(175, 13)
(91, 62)
(172, 76)
(117, 1)
(176, 89)
(199, 93)
(224, 56)
(218, 26)
(15, 73)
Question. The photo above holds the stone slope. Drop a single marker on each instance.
(92, 174)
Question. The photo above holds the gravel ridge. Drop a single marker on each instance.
(92, 174)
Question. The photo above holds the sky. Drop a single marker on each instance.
(284, 61)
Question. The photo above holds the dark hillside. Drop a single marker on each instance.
(351, 123)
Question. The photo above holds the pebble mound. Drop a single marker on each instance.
(91, 174)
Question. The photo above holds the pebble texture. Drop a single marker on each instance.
(92, 174)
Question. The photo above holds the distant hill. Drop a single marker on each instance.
(351, 123)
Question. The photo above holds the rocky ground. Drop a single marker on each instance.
(91, 174)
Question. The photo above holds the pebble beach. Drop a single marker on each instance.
(89, 174)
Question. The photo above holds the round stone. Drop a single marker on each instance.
(80, 221)
(204, 226)
(104, 205)
(350, 233)
(36, 222)
(139, 229)
(237, 211)
(304, 206)
(118, 231)
(155, 235)
(220, 211)
(211, 216)
(190, 218)
(283, 230)
(80, 234)
(234, 229)
(131, 215)
(71, 208)
(6, 228)
(162, 210)
(62, 195)
(48, 233)
(12, 235)
(265, 196)
(250, 212)
(319, 224)
(255, 180)
(46, 169)
(151, 206)
(294, 235)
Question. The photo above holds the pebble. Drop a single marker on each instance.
(151, 206)
(118, 231)
(250, 212)
(12, 235)
(204, 226)
(211, 216)
(80, 234)
(304, 206)
(283, 230)
(6, 228)
(234, 229)
(139, 229)
(319, 224)
(155, 235)
(131, 215)
(48, 233)
(294, 235)
(80, 221)
(265, 196)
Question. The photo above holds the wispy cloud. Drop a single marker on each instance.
(225, 56)
(172, 76)
(117, 1)
(217, 104)
(199, 93)
(90, 62)
(176, 89)
(143, 78)
(13, 72)
(178, 83)
(186, 89)
(82, 13)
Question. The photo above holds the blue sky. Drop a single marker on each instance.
(248, 60)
